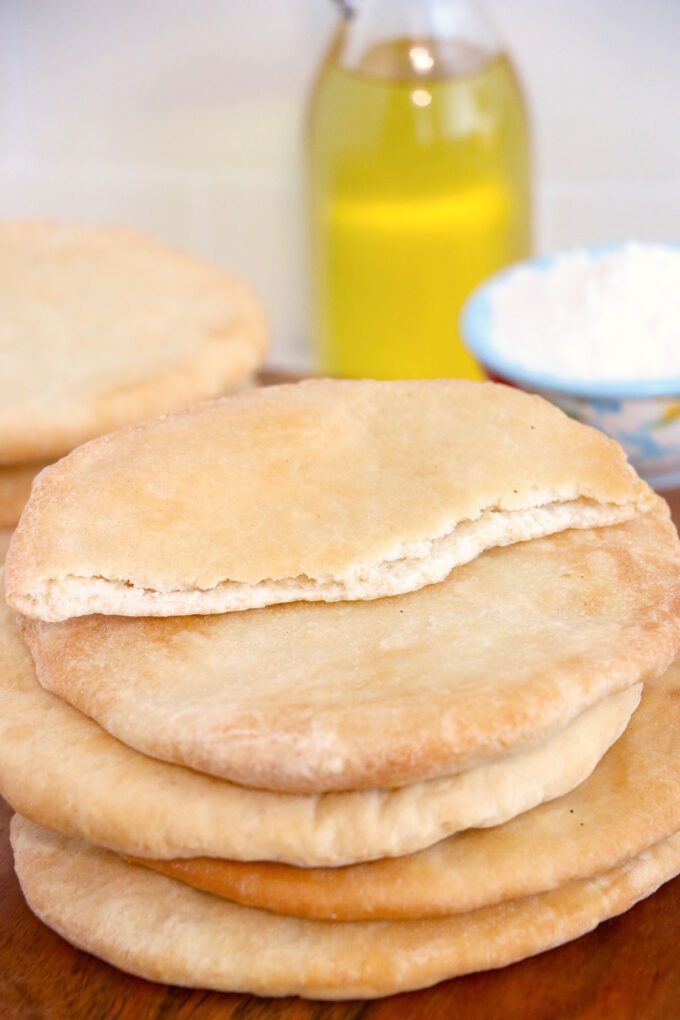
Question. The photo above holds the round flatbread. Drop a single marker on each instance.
(15, 488)
(630, 801)
(324, 490)
(101, 326)
(309, 698)
(163, 930)
(115, 797)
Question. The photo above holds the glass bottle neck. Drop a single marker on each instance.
(415, 38)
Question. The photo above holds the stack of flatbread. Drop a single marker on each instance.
(101, 327)
(341, 688)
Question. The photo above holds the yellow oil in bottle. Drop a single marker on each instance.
(419, 189)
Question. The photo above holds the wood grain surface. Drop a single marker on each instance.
(627, 969)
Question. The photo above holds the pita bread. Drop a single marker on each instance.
(630, 801)
(163, 930)
(115, 797)
(323, 490)
(309, 698)
(101, 326)
(15, 488)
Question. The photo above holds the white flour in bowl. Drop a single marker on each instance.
(614, 316)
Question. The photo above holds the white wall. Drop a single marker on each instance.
(183, 116)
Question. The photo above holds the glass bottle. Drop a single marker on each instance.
(418, 185)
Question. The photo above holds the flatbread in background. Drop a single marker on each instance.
(323, 490)
(631, 800)
(308, 698)
(15, 488)
(115, 797)
(101, 326)
(163, 930)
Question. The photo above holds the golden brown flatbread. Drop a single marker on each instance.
(163, 930)
(324, 490)
(631, 800)
(308, 698)
(115, 797)
(101, 326)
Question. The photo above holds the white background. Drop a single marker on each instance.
(183, 116)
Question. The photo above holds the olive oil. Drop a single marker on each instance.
(419, 189)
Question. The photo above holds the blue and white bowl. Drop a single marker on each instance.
(643, 416)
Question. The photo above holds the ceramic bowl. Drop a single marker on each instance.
(643, 416)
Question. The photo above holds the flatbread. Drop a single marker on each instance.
(15, 488)
(630, 801)
(309, 698)
(162, 930)
(115, 797)
(322, 490)
(101, 326)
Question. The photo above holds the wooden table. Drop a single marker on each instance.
(627, 969)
